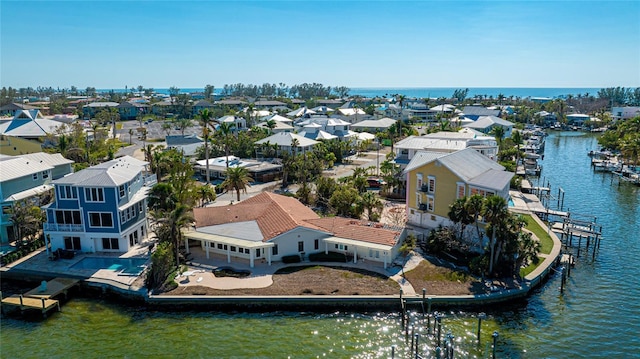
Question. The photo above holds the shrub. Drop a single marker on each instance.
(329, 257)
(291, 259)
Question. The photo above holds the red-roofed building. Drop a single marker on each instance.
(270, 226)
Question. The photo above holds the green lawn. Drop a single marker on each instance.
(528, 269)
(541, 233)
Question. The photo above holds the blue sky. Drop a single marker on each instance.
(159, 44)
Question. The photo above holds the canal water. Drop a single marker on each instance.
(598, 316)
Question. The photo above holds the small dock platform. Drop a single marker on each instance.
(41, 298)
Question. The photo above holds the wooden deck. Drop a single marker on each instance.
(53, 288)
(40, 298)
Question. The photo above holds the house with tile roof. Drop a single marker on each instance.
(102, 208)
(269, 226)
(436, 179)
(26, 177)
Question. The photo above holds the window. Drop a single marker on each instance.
(419, 181)
(35, 176)
(110, 243)
(45, 174)
(68, 217)
(246, 251)
(121, 191)
(430, 203)
(127, 214)
(94, 194)
(67, 192)
(140, 207)
(316, 243)
(233, 248)
(300, 246)
(225, 247)
(72, 243)
(100, 219)
(274, 250)
(461, 190)
(431, 184)
(219, 245)
(257, 252)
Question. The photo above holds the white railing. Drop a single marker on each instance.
(58, 227)
(150, 180)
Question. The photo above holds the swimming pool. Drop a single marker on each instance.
(124, 266)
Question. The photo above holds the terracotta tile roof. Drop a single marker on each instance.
(275, 214)
(364, 231)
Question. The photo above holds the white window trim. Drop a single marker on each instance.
(431, 203)
(91, 226)
(464, 190)
(429, 189)
(91, 200)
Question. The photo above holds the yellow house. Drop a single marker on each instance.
(15, 146)
(436, 179)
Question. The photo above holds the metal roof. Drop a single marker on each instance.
(108, 174)
(492, 179)
(17, 167)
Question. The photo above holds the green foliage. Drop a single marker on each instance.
(291, 259)
(328, 257)
(344, 201)
(162, 261)
(408, 245)
(541, 233)
(624, 137)
(237, 179)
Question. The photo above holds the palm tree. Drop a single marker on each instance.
(498, 133)
(372, 204)
(517, 140)
(177, 219)
(237, 179)
(294, 146)
(206, 193)
(474, 208)
(225, 130)
(205, 118)
(271, 124)
(458, 214)
(494, 211)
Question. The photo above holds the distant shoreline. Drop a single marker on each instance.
(429, 92)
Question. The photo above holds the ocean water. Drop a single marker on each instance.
(437, 92)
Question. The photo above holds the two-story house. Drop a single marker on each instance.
(101, 208)
(436, 179)
(25, 177)
(131, 110)
(444, 141)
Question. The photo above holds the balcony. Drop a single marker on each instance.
(422, 207)
(424, 188)
(57, 227)
(150, 180)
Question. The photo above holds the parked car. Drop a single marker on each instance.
(375, 182)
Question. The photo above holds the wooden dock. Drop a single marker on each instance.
(41, 298)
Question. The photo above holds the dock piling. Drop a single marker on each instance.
(480, 317)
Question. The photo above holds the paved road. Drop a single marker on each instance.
(154, 130)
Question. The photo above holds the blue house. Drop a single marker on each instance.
(26, 178)
(101, 208)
